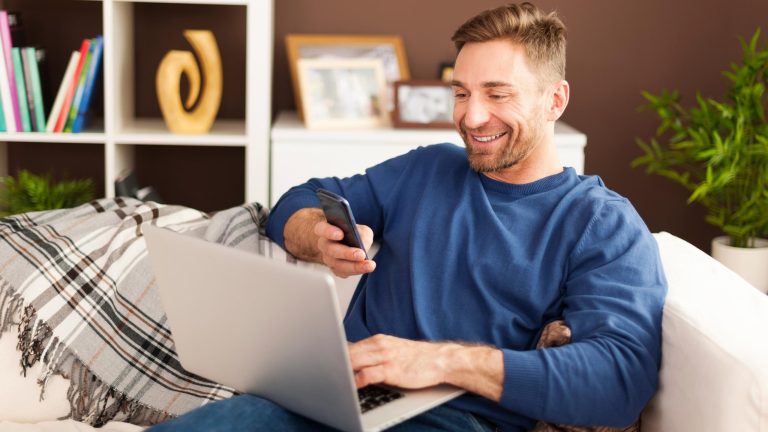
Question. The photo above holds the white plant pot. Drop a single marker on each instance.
(749, 263)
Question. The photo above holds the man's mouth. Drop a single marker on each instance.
(488, 138)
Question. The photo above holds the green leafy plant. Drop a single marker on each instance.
(718, 150)
(30, 192)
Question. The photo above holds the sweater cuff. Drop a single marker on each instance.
(523, 381)
(283, 210)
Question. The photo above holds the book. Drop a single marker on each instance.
(45, 82)
(37, 91)
(72, 87)
(26, 69)
(79, 89)
(9, 121)
(90, 83)
(2, 119)
(5, 39)
(21, 90)
(62, 93)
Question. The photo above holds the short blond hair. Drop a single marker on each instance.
(541, 34)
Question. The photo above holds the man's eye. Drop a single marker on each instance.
(497, 96)
(460, 95)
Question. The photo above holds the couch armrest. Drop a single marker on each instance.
(714, 369)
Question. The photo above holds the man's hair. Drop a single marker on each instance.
(541, 34)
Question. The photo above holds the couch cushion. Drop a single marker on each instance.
(714, 372)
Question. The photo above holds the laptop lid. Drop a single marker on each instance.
(258, 325)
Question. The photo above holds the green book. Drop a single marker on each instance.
(79, 90)
(37, 91)
(21, 90)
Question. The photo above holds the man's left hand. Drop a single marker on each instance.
(400, 362)
(412, 364)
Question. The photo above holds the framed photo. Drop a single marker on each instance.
(423, 104)
(389, 49)
(343, 93)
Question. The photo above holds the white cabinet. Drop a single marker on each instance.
(121, 131)
(299, 154)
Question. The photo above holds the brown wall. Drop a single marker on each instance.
(616, 49)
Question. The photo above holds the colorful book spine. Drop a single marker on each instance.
(69, 73)
(72, 87)
(37, 89)
(2, 119)
(21, 90)
(90, 83)
(5, 39)
(9, 123)
(27, 71)
(79, 90)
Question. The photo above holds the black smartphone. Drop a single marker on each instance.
(338, 213)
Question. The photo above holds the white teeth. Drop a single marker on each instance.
(488, 138)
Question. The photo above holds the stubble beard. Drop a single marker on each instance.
(517, 147)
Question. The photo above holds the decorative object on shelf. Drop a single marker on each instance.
(387, 48)
(343, 93)
(445, 72)
(29, 192)
(197, 114)
(719, 151)
(423, 104)
(127, 185)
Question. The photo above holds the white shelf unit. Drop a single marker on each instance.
(121, 131)
(299, 153)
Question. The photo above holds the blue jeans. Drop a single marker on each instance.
(252, 413)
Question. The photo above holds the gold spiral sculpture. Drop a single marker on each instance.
(184, 119)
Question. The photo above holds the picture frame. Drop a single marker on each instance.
(423, 104)
(388, 48)
(342, 93)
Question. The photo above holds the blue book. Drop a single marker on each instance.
(90, 83)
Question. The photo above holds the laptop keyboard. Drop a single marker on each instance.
(375, 396)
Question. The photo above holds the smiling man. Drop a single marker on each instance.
(481, 247)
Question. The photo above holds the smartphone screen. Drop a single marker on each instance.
(338, 213)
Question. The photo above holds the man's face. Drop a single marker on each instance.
(499, 107)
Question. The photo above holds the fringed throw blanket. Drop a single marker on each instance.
(81, 281)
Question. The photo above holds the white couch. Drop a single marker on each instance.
(714, 374)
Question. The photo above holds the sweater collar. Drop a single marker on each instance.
(541, 185)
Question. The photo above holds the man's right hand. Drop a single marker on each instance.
(308, 236)
(343, 260)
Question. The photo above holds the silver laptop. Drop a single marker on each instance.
(271, 329)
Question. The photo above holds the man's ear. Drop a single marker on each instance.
(560, 92)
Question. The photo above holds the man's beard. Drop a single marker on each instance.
(517, 147)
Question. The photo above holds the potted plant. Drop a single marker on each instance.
(29, 192)
(718, 150)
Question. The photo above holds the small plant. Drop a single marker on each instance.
(30, 192)
(719, 150)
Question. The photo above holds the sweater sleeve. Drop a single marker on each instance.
(613, 301)
(367, 194)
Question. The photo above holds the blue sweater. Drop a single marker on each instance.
(464, 257)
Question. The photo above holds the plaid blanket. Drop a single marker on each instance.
(80, 281)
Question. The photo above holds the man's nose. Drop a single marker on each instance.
(476, 114)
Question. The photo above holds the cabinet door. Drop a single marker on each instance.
(294, 163)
